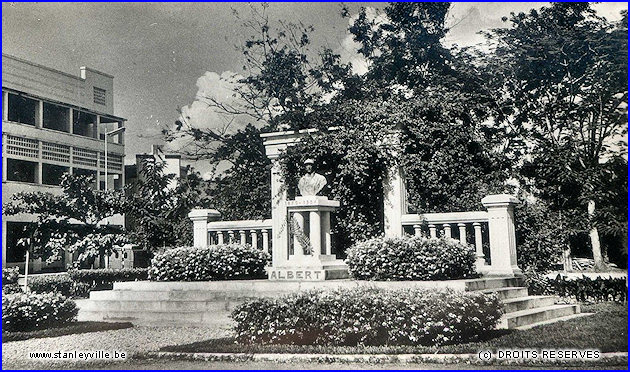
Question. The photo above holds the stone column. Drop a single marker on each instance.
(394, 198)
(279, 218)
(480, 258)
(326, 231)
(315, 232)
(200, 219)
(298, 250)
(502, 234)
(432, 231)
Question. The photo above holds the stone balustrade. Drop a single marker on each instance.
(209, 231)
(493, 228)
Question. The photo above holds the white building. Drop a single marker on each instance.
(53, 122)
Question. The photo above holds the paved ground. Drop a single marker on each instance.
(203, 365)
(130, 340)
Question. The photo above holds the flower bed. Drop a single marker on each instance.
(367, 317)
(218, 262)
(411, 258)
(105, 278)
(582, 289)
(24, 312)
(59, 283)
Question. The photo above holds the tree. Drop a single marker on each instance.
(71, 221)
(243, 191)
(563, 79)
(158, 212)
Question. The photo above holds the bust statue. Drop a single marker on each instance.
(311, 183)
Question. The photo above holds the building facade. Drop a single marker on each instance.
(54, 123)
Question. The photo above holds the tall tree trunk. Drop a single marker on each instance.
(594, 235)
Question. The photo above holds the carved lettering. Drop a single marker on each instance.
(298, 275)
(307, 275)
(273, 275)
(289, 274)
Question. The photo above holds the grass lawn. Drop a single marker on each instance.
(70, 329)
(606, 331)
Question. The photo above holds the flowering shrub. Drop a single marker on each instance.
(22, 312)
(60, 283)
(582, 289)
(218, 262)
(368, 317)
(104, 278)
(411, 258)
(10, 275)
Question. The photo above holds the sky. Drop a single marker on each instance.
(163, 54)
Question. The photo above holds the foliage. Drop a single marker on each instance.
(55, 227)
(411, 258)
(218, 262)
(10, 275)
(61, 284)
(582, 289)
(574, 334)
(28, 311)
(541, 236)
(354, 166)
(104, 278)
(562, 78)
(367, 316)
(242, 191)
(156, 209)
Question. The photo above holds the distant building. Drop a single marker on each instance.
(52, 123)
(172, 165)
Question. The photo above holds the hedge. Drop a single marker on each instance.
(411, 258)
(10, 275)
(368, 316)
(104, 278)
(582, 289)
(218, 262)
(23, 312)
(59, 283)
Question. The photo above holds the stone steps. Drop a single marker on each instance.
(210, 303)
(536, 316)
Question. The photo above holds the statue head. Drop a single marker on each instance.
(309, 164)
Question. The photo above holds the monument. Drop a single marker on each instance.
(309, 250)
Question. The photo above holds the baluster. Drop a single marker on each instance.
(219, 237)
(417, 230)
(432, 231)
(462, 233)
(479, 245)
(447, 230)
(231, 236)
(254, 238)
(243, 237)
(265, 240)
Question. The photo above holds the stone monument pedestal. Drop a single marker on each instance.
(309, 254)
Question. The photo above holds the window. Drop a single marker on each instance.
(100, 96)
(56, 117)
(84, 124)
(15, 232)
(51, 174)
(22, 109)
(21, 171)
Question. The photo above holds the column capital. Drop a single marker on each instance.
(500, 200)
(204, 214)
